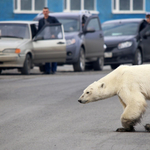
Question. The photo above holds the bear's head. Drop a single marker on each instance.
(94, 92)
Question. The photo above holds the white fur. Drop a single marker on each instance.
(130, 83)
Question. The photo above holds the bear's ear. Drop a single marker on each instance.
(102, 85)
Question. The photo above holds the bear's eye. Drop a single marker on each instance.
(87, 92)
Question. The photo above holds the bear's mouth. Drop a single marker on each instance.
(82, 102)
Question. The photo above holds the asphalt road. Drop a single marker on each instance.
(41, 112)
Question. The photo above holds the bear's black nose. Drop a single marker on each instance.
(79, 101)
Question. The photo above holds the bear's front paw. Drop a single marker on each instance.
(147, 127)
(125, 130)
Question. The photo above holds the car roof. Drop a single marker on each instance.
(79, 13)
(20, 22)
(65, 14)
(124, 20)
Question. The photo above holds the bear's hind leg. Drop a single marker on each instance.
(147, 127)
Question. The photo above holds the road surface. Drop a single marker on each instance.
(41, 112)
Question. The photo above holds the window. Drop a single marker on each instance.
(51, 32)
(29, 6)
(89, 4)
(15, 30)
(75, 5)
(120, 29)
(70, 24)
(33, 30)
(94, 24)
(128, 6)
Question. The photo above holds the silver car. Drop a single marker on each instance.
(22, 47)
(85, 44)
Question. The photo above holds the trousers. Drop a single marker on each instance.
(50, 67)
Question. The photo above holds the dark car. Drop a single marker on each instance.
(124, 43)
(85, 44)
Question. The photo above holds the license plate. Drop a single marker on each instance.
(108, 55)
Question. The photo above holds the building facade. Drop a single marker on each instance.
(106, 9)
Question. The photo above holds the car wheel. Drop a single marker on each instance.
(114, 66)
(27, 65)
(138, 58)
(0, 71)
(80, 65)
(98, 64)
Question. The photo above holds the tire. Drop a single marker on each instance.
(0, 71)
(80, 65)
(138, 58)
(114, 66)
(98, 64)
(27, 65)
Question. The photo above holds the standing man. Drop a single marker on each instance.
(84, 18)
(143, 26)
(145, 22)
(49, 68)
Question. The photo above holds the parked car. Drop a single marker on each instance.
(123, 43)
(23, 48)
(85, 45)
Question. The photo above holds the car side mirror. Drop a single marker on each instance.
(38, 38)
(147, 34)
(89, 30)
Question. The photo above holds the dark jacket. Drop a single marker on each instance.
(142, 28)
(50, 19)
(143, 25)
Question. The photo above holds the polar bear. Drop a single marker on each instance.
(132, 85)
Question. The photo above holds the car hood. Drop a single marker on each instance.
(6, 43)
(114, 40)
(69, 35)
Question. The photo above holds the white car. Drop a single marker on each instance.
(22, 47)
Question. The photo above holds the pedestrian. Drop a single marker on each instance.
(84, 18)
(143, 26)
(48, 67)
(145, 22)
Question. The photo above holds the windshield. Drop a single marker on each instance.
(70, 25)
(14, 30)
(120, 29)
(51, 32)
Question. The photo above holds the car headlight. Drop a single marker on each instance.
(70, 41)
(124, 45)
(104, 46)
(17, 51)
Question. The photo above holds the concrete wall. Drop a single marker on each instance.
(103, 6)
(6, 9)
(105, 9)
(56, 5)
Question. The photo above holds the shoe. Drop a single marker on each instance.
(46, 73)
(53, 72)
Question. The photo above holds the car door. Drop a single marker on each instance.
(145, 43)
(94, 42)
(49, 45)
